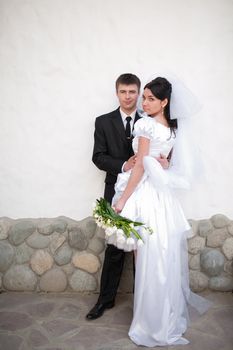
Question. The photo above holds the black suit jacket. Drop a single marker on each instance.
(111, 148)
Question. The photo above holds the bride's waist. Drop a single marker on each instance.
(123, 178)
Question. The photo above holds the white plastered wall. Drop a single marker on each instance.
(58, 63)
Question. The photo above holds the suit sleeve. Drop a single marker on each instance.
(101, 157)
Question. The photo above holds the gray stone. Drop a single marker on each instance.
(57, 239)
(77, 238)
(205, 227)
(5, 225)
(38, 241)
(221, 283)
(21, 230)
(86, 261)
(103, 338)
(20, 278)
(57, 328)
(13, 321)
(96, 245)
(227, 248)
(69, 311)
(228, 267)
(59, 225)
(36, 338)
(217, 237)
(194, 226)
(81, 281)
(230, 229)
(45, 226)
(41, 310)
(222, 323)
(23, 253)
(68, 269)
(41, 261)
(63, 255)
(68, 220)
(66, 235)
(88, 226)
(10, 341)
(6, 255)
(56, 347)
(196, 244)
(212, 262)
(123, 317)
(100, 233)
(198, 281)
(220, 220)
(194, 262)
(0, 281)
(53, 280)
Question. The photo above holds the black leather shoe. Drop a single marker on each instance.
(98, 310)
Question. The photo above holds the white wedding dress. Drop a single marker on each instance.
(162, 293)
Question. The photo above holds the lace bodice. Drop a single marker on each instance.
(161, 140)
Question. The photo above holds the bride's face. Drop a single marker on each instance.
(151, 104)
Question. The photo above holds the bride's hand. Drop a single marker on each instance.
(163, 161)
(119, 205)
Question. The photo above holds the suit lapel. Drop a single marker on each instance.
(118, 124)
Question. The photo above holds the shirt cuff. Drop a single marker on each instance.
(122, 168)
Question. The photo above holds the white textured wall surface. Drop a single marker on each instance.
(58, 63)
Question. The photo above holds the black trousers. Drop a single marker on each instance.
(111, 273)
(113, 263)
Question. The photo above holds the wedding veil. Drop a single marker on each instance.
(186, 165)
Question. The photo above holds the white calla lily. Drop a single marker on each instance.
(140, 242)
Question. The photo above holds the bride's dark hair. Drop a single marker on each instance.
(161, 88)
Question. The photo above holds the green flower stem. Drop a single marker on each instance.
(110, 218)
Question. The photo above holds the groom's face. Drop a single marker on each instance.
(128, 96)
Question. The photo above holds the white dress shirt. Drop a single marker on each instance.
(124, 116)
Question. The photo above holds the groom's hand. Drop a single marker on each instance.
(130, 163)
(163, 161)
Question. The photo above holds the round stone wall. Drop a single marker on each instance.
(61, 254)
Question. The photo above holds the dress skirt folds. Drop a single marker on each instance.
(162, 294)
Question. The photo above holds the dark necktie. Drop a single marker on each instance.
(128, 128)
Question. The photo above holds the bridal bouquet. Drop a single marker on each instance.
(119, 230)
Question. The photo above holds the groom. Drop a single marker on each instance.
(113, 153)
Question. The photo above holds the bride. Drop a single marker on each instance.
(146, 194)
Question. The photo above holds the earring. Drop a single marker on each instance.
(162, 110)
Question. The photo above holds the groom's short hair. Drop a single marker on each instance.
(128, 79)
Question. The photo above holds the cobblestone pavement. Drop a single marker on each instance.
(30, 321)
